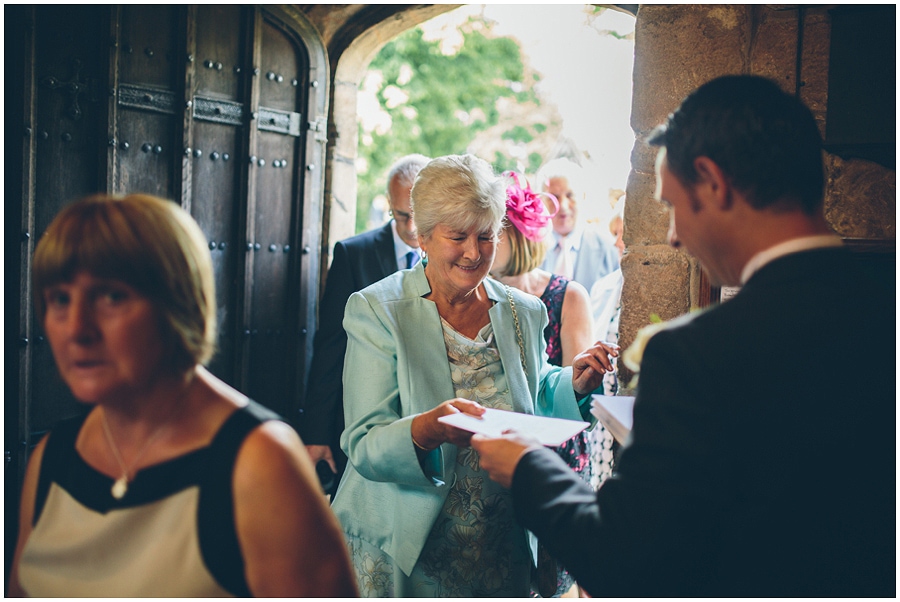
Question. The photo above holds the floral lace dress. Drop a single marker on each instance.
(475, 548)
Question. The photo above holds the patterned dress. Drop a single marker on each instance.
(475, 548)
(575, 451)
(588, 454)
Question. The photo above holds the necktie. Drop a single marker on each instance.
(412, 258)
(564, 261)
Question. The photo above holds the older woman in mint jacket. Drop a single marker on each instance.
(420, 516)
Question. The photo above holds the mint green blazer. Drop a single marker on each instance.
(395, 368)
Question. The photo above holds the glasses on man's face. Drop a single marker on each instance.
(399, 216)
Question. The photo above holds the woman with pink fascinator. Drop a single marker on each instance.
(520, 252)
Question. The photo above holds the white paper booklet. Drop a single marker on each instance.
(551, 432)
(615, 413)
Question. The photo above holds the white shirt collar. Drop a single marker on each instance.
(400, 246)
(572, 240)
(795, 245)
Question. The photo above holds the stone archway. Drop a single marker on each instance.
(351, 66)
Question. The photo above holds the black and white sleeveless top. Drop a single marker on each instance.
(171, 535)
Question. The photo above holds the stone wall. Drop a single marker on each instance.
(677, 48)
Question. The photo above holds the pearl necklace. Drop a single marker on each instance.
(120, 487)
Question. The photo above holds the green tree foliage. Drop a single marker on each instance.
(444, 101)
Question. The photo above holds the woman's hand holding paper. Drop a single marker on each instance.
(428, 433)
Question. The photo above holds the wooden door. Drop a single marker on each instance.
(272, 332)
(216, 107)
(65, 144)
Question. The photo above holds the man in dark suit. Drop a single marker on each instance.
(358, 261)
(762, 456)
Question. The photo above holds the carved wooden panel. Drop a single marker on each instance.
(147, 65)
(217, 159)
(271, 283)
(69, 72)
(219, 56)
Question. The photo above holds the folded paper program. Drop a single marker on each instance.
(551, 432)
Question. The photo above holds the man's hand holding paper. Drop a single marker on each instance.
(499, 456)
(502, 438)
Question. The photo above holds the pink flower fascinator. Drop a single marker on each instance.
(525, 209)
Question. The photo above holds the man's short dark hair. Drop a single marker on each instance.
(765, 141)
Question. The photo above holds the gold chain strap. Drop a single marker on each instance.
(512, 306)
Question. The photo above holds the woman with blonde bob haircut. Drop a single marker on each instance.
(520, 252)
(149, 243)
(432, 341)
(173, 483)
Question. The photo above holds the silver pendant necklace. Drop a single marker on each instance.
(120, 486)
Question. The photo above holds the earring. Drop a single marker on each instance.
(424, 259)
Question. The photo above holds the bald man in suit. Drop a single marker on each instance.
(358, 261)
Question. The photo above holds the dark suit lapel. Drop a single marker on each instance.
(384, 249)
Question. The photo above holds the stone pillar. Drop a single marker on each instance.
(677, 48)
